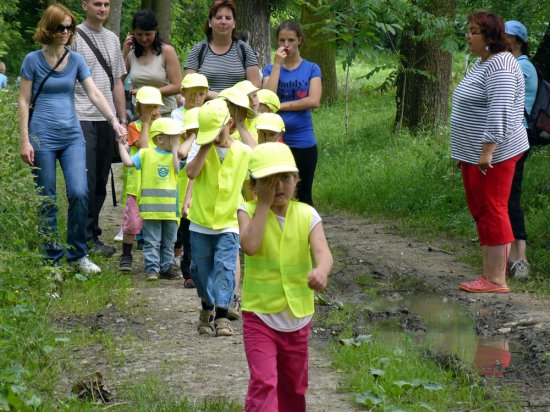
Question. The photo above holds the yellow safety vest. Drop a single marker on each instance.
(276, 276)
(217, 188)
(158, 195)
(250, 125)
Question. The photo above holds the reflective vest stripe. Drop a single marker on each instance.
(158, 193)
(156, 207)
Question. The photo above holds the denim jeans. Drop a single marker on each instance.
(73, 164)
(159, 237)
(213, 266)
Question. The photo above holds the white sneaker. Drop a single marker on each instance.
(118, 236)
(86, 266)
(519, 269)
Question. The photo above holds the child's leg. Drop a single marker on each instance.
(186, 240)
(225, 266)
(202, 264)
(292, 369)
(260, 346)
(168, 238)
(131, 225)
(152, 231)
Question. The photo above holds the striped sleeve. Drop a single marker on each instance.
(501, 94)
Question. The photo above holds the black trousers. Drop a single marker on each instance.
(306, 161)
(517, 219)
(184, 240)
(100, 138)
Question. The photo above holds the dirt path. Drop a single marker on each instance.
(160, 338)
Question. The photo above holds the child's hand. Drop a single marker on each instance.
(317, 280)
(240, 117)
(148, 114)
(265, 189)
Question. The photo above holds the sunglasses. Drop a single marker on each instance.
(61, 28)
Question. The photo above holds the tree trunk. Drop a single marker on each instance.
(542, 57)
(113, 23)
(423, 101)
(317, 49)
(162, 10)
(253, 15)
(147, 4)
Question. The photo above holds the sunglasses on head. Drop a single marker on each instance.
(61, 28)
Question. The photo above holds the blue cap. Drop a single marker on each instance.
(515, 28)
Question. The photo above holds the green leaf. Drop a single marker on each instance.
(376, 372)
(347, 342)
(62, 339)
(427, 407)
(432, 386)
(4, 405)
(384, 362)
(368, 399)
(81, 277)
(363, 339)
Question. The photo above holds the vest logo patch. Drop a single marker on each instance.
(163, 170)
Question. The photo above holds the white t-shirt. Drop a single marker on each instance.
(285, 321)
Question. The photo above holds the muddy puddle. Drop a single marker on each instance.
(440, 325)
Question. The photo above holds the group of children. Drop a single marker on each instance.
(214, 177)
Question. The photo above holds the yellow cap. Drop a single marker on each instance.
(271, 158)
(246, 87)
(194, 80)
(165, 125)
(270, 99)
(149, 95)
(191, 119)
(238, 98)
(213, 116)
(270, 121)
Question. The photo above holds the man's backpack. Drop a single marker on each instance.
(240, 51)
(539, 119)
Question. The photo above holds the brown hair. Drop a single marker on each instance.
(294, 26)
(220, 4)
(492, 28)
(53, 17)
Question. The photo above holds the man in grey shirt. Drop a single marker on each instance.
(98, 133)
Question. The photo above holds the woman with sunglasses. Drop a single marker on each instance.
(51, 132)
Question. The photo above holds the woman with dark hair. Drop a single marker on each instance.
(487, 140)
(152, 62)
(222, 57)
(297, 82)
(50, 130)
(516, 34)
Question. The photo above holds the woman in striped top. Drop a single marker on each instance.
(487, 139)
(223, 58)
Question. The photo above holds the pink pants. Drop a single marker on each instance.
(278, 364)
(131, 220)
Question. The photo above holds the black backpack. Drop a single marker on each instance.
(539, 119)
(240, 51)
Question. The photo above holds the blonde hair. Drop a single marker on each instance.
(53, 17)
(2, 67)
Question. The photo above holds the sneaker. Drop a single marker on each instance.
(118, 236)
(223, 327)
(205, 326)
(171, 274)
(125, 263)
(482, 285)
(151, 275)
(139, 244)
(519, 269)
(86, 266)
(177, 261)
(234, 309)
(189, 284)
(100, 248)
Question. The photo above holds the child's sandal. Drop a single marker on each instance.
(223, 327)
(205, 326)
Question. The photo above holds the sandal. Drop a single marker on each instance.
(189, 284)
(205, 326)
(482, 285)
(223, 327)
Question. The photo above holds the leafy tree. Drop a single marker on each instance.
(542, 58)
(253, 16)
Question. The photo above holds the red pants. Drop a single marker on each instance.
(487, 197)
(278, 364)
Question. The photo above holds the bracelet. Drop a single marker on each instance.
(125, 121)
(110, 118)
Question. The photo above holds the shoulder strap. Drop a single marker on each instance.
(202, 53)
(39, 90)
(241, 51)
(98, 56)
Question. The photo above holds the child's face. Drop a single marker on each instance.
(265, 136)
(166, 142)
(264, 108)
(223, 139)
(190, 132)
(284, 188)
(254, 102)
(194, 96)
(152, 109)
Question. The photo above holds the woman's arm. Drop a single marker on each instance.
(312, 101)
(318, 277)
(173, 71)
(26, 150)
(271, 82)
(253, 75)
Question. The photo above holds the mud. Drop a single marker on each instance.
(156, 334)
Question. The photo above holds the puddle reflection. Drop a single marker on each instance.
(448, 329)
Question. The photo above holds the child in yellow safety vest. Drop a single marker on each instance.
(157, 200)
(148, 102)
(268, 101)
(218, 164)
(270, 128)
(279, 237)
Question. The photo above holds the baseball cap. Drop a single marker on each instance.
(271, 158)
(238, 98)
(515, 28)
(246, 87)
(165, 125)
(213, 116)
(191, 119)
(270, 99)
(270, 121)
(149, 95)
(194, 80)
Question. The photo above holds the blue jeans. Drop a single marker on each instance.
(159, 237)
(73, 164)
(213, 266)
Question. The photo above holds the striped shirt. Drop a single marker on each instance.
(108, 44)
(488, 108)
(221, 70)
